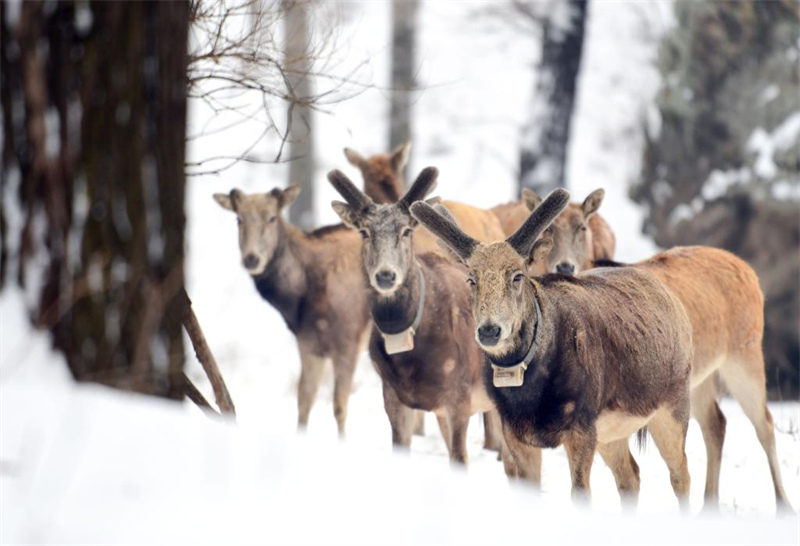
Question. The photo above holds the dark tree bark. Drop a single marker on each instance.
(94, 103)
(545, 138)
(298, 66)
(404, 20)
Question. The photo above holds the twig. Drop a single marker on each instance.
(196, 396)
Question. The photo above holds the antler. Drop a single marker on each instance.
(422, 186)
(354, 197)
(540, 219)
(446, 230)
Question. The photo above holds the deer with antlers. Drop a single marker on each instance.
(581, 361)
(421, 341)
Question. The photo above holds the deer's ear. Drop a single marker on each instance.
(530, 198)
(289, 195)
(224, 201)
(541, 250)
(400, 156)
(355, 158)
(593, 202)
(346, 213)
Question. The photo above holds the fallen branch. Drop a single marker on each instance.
(221, 395)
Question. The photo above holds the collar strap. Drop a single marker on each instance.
(534, 344)
(420, 306)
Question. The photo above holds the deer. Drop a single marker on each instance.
(384, 184)
(725, 306)
(313, 279)
(383, 173)
(581, 361)
(580, 235)
(421, 339)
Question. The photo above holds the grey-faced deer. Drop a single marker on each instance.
(581, 361)
(723, 300)
(580, 235)
(422, 340)
(384, 184)
(314, 280)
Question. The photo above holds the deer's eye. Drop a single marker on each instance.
(238, 221)
(271, 219)
(470, 281)
(407, 232)
(518, 277)
(364, 233)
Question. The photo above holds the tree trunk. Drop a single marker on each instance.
(545, 136)
(298, 64)
(94, 102)
(404, 18)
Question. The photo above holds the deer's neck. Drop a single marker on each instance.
(284, 282)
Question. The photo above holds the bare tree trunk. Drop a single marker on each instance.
(96, 145)
(404, 19)
(546, 134)
(298, 66)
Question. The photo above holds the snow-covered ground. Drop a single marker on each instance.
(83, 464)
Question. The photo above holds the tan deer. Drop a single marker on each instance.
(580, 235)
(314, 280)
(582, 361)
(723, 300)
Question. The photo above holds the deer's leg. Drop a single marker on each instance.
(526, 460)
(344, 367)
(746, 382)
(492, 431)
(444, 428)
(668, 428)
(401, 418)
(419, 423)
(617, 455)
(580, 446)
(712, 423)
(311, 368)
(459, 421)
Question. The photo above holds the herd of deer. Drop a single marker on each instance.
(509, 314)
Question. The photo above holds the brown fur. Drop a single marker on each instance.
(441, 373)
(383, 173)
(314, 280)
(723, 300)
(614, 352)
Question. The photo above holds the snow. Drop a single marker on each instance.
(85, 464)
(765, 144)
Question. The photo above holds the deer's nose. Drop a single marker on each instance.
(385, 279)
(250, 261)
(565, 268)
(489, 334)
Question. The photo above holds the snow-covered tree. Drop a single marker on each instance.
(722, 162)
